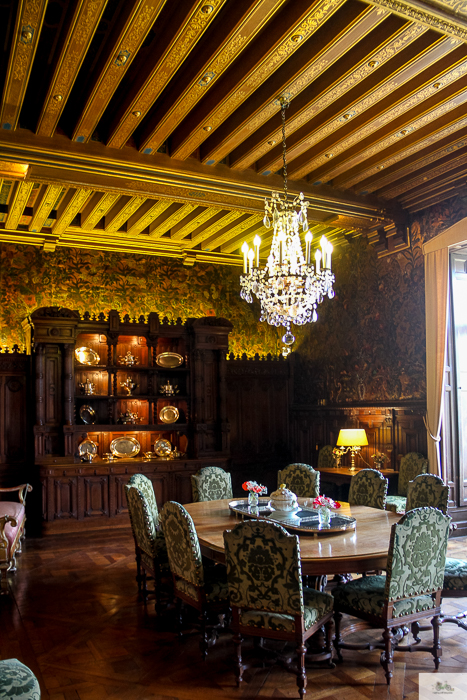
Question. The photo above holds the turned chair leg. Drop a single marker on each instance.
(301, 672)
(437, 651)
(337, 636)
(415, 631)
(203, 644)
(388, 654)
(328, 637)
(237, 639)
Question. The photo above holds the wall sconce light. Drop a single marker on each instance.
(352, 440)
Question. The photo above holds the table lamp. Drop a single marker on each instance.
(353, 440)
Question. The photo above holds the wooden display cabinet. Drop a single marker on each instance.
(76, 401)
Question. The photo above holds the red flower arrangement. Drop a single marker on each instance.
(325, 502)
(255, 487)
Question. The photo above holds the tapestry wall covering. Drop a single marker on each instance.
(368, 344)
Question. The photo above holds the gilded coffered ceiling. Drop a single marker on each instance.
(154, 126)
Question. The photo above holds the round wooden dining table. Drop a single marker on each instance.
(352, 551)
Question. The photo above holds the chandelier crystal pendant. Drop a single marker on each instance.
(290, 287)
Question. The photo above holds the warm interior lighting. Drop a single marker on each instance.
(352, 439)
(15, 171)
(290, 286)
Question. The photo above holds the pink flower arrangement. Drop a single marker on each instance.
(325, 502)
(255, 487)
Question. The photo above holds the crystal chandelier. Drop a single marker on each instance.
(290, 287)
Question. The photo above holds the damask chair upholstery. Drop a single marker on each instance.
(455, 586)
(17, 681)
(325, 457)
(427, 490)
(410, 591)
(412, 464)
(266, 591)
(204, 588)
(150, 546)
(302, 479)
(368, 488)
(12, 529)
(211, 484)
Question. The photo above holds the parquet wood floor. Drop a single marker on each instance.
(73, 616)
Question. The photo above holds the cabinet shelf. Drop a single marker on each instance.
(132, 397)
(137, 427)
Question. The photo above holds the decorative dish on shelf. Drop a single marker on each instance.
(169, 360)
(87, 414)
(87, 447)
(162, 448)
(168, 414)
(86, 356)
(125, 447)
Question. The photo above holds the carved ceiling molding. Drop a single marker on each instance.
(428, 15)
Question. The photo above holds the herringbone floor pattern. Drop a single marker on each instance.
(74, 618)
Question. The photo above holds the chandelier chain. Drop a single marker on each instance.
(284, 105)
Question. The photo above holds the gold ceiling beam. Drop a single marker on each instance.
(184, 229)
(198, 18)
(86, 17)
(42, 208)
(225, 220)
(136, 27)
(238, 38)
(69, 207)
(29, 19)
(172, 220)
(245, 155)
(18, 203)
(238, 228)
(129, 208)
(141, 220)
(330, 50)
(186, 140)
(234, 244)
(429, 14)
(97, 207)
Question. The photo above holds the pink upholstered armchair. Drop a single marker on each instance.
(12, 530)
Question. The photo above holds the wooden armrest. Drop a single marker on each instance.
(4, 544)
(23, 490)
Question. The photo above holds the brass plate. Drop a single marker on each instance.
(162, 447)
(125, 447)
(168, 414)
(169, 360)
(87, 414)
(87, 447)
(86, 356)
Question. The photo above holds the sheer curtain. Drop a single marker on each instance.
(436, 254)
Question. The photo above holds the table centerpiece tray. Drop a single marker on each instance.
(304, 520)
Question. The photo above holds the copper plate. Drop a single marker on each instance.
(125, 447)
(162, 447)
(168, 414)
(86, 356)
(169, 360)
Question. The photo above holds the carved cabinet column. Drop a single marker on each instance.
(40, 387)
(68, 385)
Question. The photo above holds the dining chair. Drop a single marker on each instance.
(326, 457)
(267, 596)
(12, 528)
(211, 484)
(368, 487)
(202, 587)
(455, 586)
(411, 465)
(300, 478)
(427, 490)
(410, 591)
(150, 545)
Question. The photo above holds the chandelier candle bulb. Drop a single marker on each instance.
(308, 239)
(330, 249)
(323, 243)
(257, 243)
(245, 253)
(318, 261)
(251, 257)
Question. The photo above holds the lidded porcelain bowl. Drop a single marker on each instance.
(283, 500)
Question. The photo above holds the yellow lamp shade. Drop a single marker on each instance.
(352, 438)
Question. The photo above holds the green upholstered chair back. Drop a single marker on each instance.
(142, 520)
(325, 457)
(427, 490)
(302, 479)
(144, 485)
(417, 554)
(368, 488)
(183, 548)
(264, 568)
(211, 484)
(411, 465)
